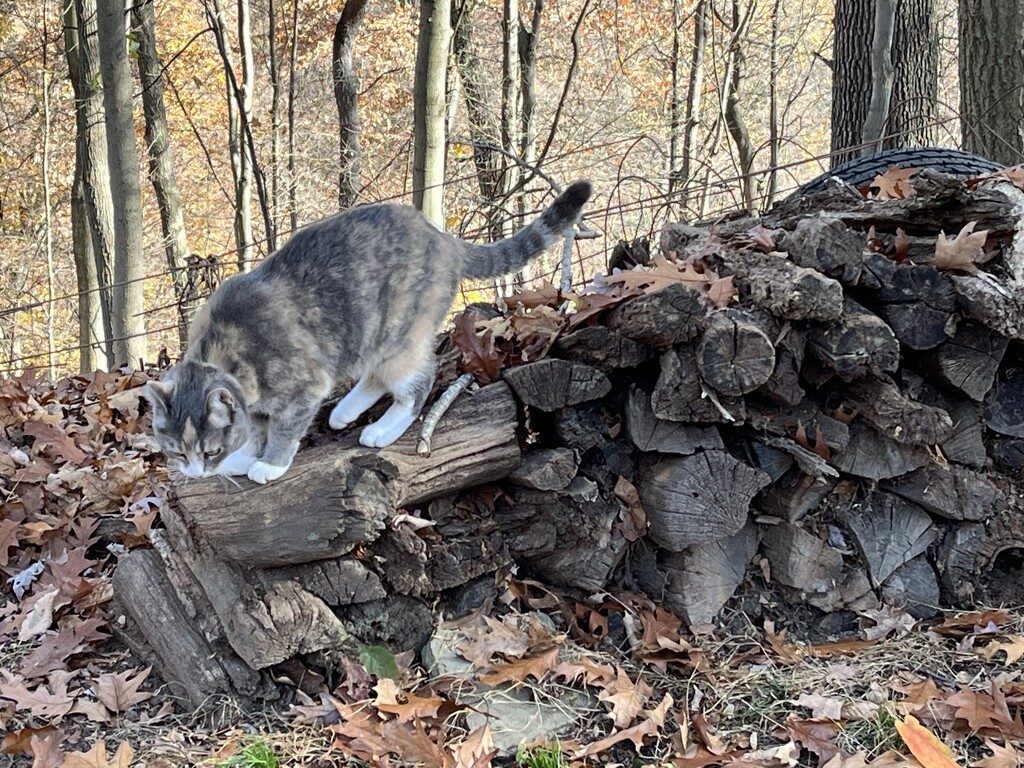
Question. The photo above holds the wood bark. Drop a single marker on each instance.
(881, 76)
(992, 78)
(851, 75)
(553, 384)
(127, 302)
(662, 318)
(913, 107)
(429, 108)
(161, 164)
(735, 355)
(733, 109)
(346, 98)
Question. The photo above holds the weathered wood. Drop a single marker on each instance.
(602, 348)
(880, 403)
(649, 433)
(874, 456)
(773, 461)
(1004, 407)
(679, 394)
(783, 386)
(580, 428)
(916, 301)
(801, 560)
(969, 361)
(968, 553)
(671, 315)
(784, 422)
(953, 492)
(193, 668)
(735, 356)
(552, 384)
(914, 587)
(795, 495)
(702, 578)
(336, 497)
(567, 537)
(857, 344)
(698, 499)
(966, 445)
(889, 531)
(340, 581)
(545, 469)
(826, 245)
(992, 304)
(779, 286)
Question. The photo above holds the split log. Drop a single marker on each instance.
(969, 361)
(955, 493)
(698, 499)
(663, 318)
(336, 497)
(780, 287)
(826, 245)
(552, 384)
(969, 562)
(874, 456)
(702, 578)
(602, 348)
(680, 396)
(880, 403)
(735, 356)
(914, 587)
(580, 428)
(889, 531)
(546, 469)
(966, 444)
(568, 537)
(193, 667)
(917, 301)
(341, 581)
(801, 560)
(857, 344)
(993, 305)
(783, 386)
(795, 495)
(773, 461)
(649, 433)
(784, 422)
(1004, 409)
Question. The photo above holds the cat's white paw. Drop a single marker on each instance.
(236, 464)
(338, 420)
(383, 433)
(261, 472)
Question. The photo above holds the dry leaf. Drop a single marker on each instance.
(815, 736)
(1004, 756)
(1013, 647)
(389, 699)
(634, 524)
(721, 292)
(827, 707)
(925, 745)
(518, 671)
(119, 692)
(964, 252)
(46, 749)
(894, 184)
(662, 273)
(476, 750)
(635, 734)
(626, 697)
(97, 757)
(901, 245)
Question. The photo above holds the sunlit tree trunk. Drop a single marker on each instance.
(913, 108)
(92, 210)
(694, 88)
(429, 108)
(128, 325)
(734, 120)
(346, 96)
(992, 78)
(161, 163)
(851, 74)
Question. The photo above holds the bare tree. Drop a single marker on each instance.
(161, 163)
(881, 75)
(681, 154)
(732, 106)
(429, 108)
(992, 78)
(913, 107)
(346, 96)
(92, 211)
(129, 341)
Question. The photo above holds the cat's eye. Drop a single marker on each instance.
(214, 453)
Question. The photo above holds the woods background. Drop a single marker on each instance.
(223, 126)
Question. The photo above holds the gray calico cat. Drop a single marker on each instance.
(358, 295)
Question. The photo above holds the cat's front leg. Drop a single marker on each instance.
(284, 431)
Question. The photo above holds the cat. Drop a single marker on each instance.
(358, 295)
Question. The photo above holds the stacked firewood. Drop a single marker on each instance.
(825, 396)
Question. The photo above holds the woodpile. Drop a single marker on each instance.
(849, 426)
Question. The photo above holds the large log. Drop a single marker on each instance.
(698, 499)
(735, 355)
(969, 361)
(880, 403)
(602, 348)
(872, 455)
(800, 560)
(552, 384)
(857, 344)
(968, 562)
(679, 394)
(916, 300)
(336, 497)
(953, 492)
(662, 318)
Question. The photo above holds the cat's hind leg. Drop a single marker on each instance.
(410, 390)
(367, 391)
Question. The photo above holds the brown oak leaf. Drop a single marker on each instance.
(964, 252)
(119, 691)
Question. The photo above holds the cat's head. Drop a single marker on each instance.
(199, 417)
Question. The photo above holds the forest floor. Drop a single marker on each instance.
(618, 678)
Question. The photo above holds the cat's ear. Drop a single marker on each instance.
(158, 392)
(220, 408)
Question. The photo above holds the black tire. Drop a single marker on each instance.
(862, 170)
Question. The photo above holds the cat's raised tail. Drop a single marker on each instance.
(515, 252)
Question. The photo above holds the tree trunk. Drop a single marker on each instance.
(881, 76)
(243, 209)
(733, 107)
(992, 78)
(429, 108)
(128, 326)
(774, 140)
(346, 96)
(161, 163)
(851, 74)
(275, 113)
(695, 86)
(915, 87)
(511, 97)
(293, 60)
(92, 226)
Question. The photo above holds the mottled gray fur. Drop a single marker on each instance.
(357, 295)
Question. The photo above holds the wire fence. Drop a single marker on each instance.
(643, 214)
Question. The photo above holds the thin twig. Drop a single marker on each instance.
(443, 403)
